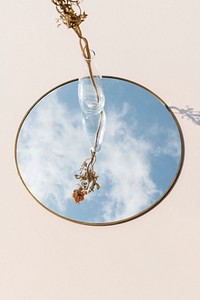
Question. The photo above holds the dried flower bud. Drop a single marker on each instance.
(78, 195)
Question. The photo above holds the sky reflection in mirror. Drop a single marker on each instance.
(137, 163)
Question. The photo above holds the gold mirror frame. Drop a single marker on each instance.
(129, 218)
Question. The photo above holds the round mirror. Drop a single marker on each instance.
(139, 161)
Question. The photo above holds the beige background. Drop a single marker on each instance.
(155, 43)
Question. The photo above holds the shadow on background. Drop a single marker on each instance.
(188, 112)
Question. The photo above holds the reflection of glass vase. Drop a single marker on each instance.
(92, 124)
(92, 100)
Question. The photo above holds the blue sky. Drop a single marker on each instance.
(138, 160)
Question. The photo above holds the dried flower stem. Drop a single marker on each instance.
(72, 19)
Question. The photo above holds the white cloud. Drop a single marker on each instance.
(168, 144)
(125, 164)
(50, 147)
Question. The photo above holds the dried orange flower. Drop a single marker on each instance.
(87, 178)
(78, 195)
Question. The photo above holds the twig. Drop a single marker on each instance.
(72, 19)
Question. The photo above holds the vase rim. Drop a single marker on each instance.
(92, 52)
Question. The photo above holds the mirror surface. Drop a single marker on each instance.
(139, 161)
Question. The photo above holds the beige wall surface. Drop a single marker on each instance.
(157, 256)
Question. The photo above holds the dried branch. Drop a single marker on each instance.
(72, 19)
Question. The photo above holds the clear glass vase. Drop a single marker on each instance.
(90, 88)
(92, 101)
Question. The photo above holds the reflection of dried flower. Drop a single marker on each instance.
(78, 195)
(88, 179)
